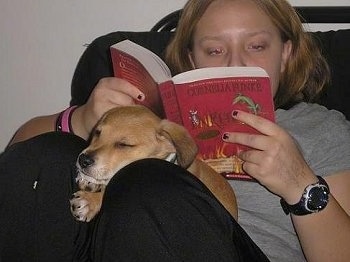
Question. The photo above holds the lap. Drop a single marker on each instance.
(156, 211)
(152, 211)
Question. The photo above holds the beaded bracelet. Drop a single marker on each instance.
(63, 122)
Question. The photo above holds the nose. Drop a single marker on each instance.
(236, 59)
(85, 160)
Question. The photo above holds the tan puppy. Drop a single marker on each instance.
(126, 134)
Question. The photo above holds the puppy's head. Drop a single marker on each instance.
(126, 134)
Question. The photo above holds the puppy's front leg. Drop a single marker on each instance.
(85, 205)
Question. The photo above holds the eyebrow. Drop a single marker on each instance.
(262, 32)
(223, 37)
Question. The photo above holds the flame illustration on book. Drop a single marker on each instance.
(251, 105)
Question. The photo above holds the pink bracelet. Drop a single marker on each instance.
(63, 122)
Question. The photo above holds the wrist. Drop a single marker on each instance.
(314, 198)
(64, 120)
(297, 187)
(77, 123)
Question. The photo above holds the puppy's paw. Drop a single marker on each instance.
(85, 205)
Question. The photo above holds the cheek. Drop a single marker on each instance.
(274, 79)
(274, 86)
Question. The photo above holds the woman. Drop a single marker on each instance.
(288, 156)
(269, 34)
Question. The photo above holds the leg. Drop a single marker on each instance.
(155, 211)
(37, 180)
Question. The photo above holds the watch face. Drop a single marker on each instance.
(317, 199)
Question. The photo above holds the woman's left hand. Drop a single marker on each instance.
(274, 158)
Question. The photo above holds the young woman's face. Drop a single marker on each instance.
(237, 33)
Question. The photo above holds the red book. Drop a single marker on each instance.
(202, 100)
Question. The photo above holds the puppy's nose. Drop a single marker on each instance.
(85, 160)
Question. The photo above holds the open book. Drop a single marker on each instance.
(202, 100)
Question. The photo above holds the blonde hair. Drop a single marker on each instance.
(306, 71)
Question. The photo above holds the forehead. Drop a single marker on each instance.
(226, 17)
(128, 120)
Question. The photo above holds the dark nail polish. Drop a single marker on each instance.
(225, 136)
(234, 113)
(140, 97)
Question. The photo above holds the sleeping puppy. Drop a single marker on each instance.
(126, 134)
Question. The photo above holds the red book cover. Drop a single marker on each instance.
(202, 100)
(205, 99)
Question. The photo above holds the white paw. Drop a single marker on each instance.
(81, 208)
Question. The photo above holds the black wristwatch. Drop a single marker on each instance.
(315, 198)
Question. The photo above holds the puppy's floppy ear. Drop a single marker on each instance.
(98, 123)
(186, 148)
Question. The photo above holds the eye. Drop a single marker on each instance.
(122, 144)
(215, 51)
(257, 47)
(97, 132)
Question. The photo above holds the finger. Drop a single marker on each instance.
(259, 123)
(119, 99)
(256, 141)
(250, 162)
(261, 159)
(253, 156)
(251, 169)
(122, 86)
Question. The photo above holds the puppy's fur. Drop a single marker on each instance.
(126, 134)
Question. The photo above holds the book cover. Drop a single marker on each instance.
(202, 100)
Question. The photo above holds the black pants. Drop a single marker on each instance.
(152, 211)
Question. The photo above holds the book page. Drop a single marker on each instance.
(218, 72)
(155, 66)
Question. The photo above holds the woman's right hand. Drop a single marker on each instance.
(108, 93)
(274, 158)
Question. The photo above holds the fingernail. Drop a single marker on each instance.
(234, 113)
(140, 97)
(225, 136)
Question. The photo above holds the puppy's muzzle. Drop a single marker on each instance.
(85, 181)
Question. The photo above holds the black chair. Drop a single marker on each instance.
(309, 14)
(95, 62)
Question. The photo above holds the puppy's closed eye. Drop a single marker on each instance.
(122, 145)
(96, 133)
